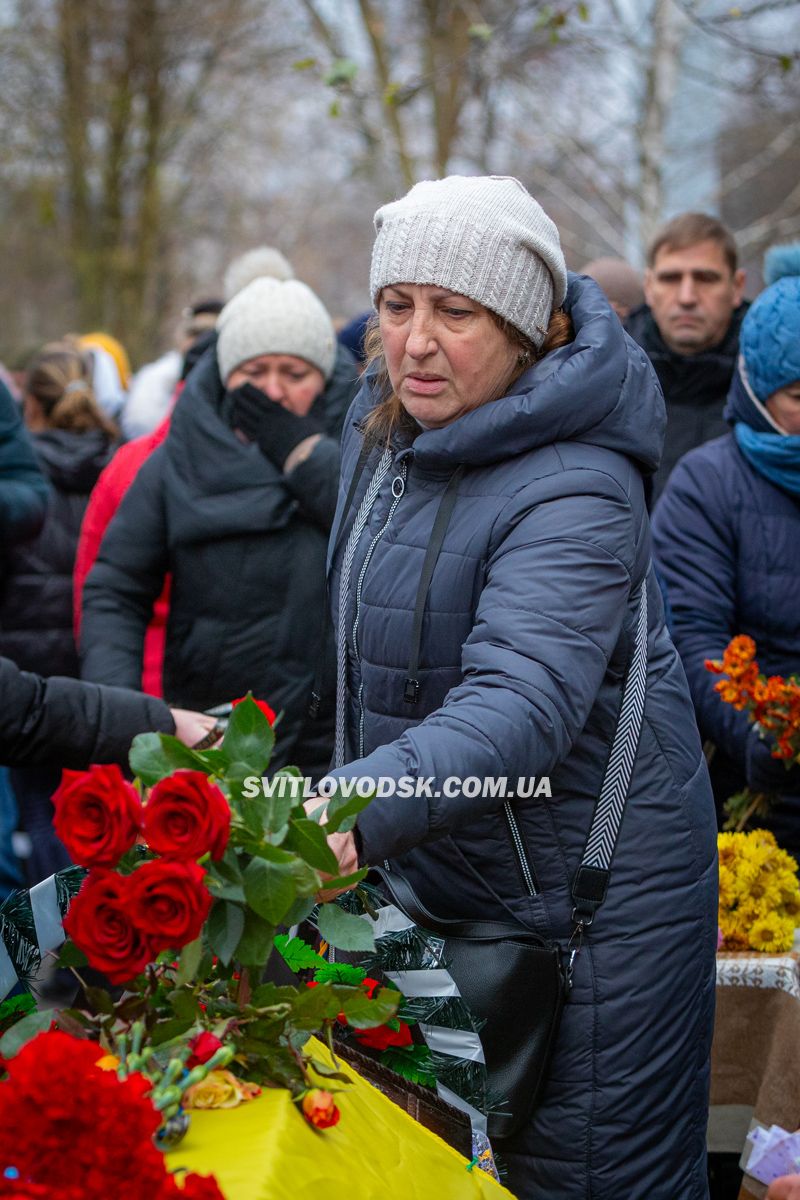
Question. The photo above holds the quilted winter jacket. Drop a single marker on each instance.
(726, 541)
(526, 637)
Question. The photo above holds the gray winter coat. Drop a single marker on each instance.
(526, 637)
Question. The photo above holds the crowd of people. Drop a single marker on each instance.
(466, 478)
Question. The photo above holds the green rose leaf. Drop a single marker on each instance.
(156, 755)
(224, 929)
(70, 956)
(310, 841)
(343, 810)
(255, 944)
(270, 889)
(15, 1038)
(249, 737)
(312, 1006)
(189, 961)
(344, 930)
(363, 1013)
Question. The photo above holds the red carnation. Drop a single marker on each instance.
(169, 902)
(383, 1037)
(61, 1117)
(268, 712)
(102, 925)
(186, 816)
(98, 815)
(203, 1047)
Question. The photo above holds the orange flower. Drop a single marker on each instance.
(319, 1109)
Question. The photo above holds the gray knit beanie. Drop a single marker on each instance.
(483, 236)
(274, 316)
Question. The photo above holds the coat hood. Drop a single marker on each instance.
(599, 389)
(73, 461)
(742, 405)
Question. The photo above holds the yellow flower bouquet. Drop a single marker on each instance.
(759, 893)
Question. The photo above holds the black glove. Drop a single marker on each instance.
(768, 774)
(274, 429)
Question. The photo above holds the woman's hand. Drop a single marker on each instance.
(343, 846)
(192, 727)
(785, 1188)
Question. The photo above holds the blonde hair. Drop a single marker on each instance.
(58, 379)
(389, 417)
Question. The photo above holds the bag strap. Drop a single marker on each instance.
(336, 538)
(590, 885)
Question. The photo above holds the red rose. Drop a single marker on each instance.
(186, 816)
(101, 923)
(319, 1109)
(268, 712)
(98, 815)
(169, 902)
(203, 1047)
(383, 1037)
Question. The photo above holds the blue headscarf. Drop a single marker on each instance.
(769, 360)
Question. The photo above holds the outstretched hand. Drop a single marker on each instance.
(343, 846)
(192, 727)
(785, 1188)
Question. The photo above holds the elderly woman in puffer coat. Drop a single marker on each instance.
(726, 534)
(517, 669)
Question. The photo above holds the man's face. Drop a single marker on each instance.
(692, 294)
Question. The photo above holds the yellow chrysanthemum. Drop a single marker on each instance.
(772, 934)
(728, 848)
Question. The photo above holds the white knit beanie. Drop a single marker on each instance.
(483, 236)
(274, 316)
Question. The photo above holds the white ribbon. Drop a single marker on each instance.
(388, 920)
(424, 983)
(46, 915)
(477, 1119)
(458, 1043)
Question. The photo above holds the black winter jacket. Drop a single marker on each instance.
(63, 722)
(245, 545)
(36, 607)
(695, 387)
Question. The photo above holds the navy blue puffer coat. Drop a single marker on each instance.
(726, 540)
(526, 638)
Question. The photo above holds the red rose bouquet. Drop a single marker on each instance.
(193, 868)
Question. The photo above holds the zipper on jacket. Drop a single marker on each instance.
(398, 489)
(528, 876)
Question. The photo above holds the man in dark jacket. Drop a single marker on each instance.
(689, 328)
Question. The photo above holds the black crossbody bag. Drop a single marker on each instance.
(515, 982)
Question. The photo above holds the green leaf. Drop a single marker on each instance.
(99, 1000)
(343, 810)
(270, 889)
(224, 928)
(15, 1038)
(327, 1071)
(340, 72)
(255, 944)
(249, 738)
(15, 1009)
(583, 12)
(297, 954)
(153, 756)
(312, 1006)
(70, 956)
(300, 910)
(310, 841)
(344, 930)
(184, 1004)
(174, 1027)
(346, 881)
(304, 64)
(340, 973)
(363, 1013)
(786, 61)
(481, 32)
